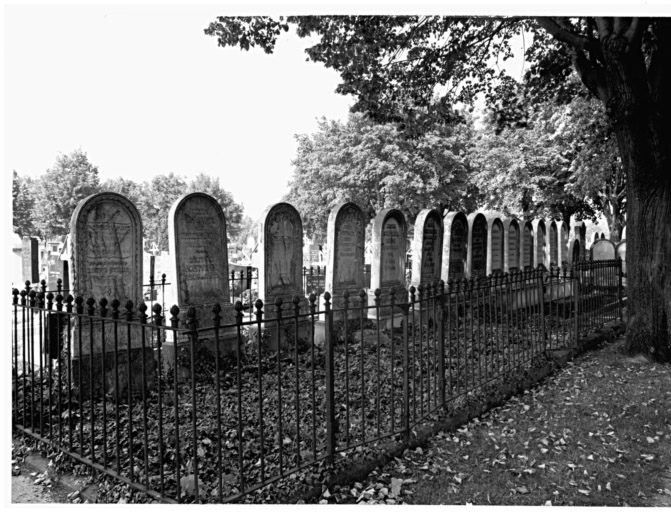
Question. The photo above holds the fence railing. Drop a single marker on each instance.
(194, 409)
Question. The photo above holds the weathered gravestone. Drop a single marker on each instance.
(540, 243)
(621, 252)
(455, 246)
(427, 247)
(106, 262)
(476, 259)
(575, 250)
(199, 254)
(553, 245)
(528, 246)
(603, 249)
(511, 241)
(388, 263)
(30, 257)
(280, 274)
(562, 226)
(345, 254)
(579, 233)
(495, 242)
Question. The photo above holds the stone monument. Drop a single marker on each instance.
(455, 246)
(511, 241)
(427, 248)
(476, 259)
(495, 242)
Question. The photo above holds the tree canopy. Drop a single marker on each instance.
(413, 69)
(377, 167)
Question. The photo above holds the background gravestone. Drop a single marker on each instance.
(495, 243)
(540, 243)
(199, 257)
(563, 243)
(511, 237)
(528, 245)
(575, 250)
(455, 246)
(30, 257)
(603, 249)
(621, 252)
(427, 248)
(106, 262)
(476, 260)
(388, 261)
(345, 255)
(553, 245)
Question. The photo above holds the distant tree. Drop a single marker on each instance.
(232, 210)
(378, 167)
(127, 188)
(23, 204)
(154, 205)
(71, 179)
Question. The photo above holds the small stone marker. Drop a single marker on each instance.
(455, 246)
(388, 262)
(477, 245)
(30, 257)
(345, 254)
(427, 248)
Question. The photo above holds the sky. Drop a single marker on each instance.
(143, 91)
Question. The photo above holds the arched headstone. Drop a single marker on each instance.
(603, 249)
(495, 244)
(476, 260)
(511, 236)
(527, 246)
(455, 246)
(553, 244)
(427, 248)
(540, 243)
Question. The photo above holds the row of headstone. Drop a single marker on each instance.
(106, 260)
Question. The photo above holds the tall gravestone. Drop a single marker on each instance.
(563, 243)
(553, 245)
(30, 257)
(579, 233)
(106, 262)
(427, 247)
(388, 261)
(495, 242)
(345, 255)
(476, 259)
(280, 273)
(575, 250)
(540, 243)
(527, 245)
(511, 242)
(455, 246)
(199, 254)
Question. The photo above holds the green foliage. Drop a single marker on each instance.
(71, 179)
(376, 166)
(23, 204)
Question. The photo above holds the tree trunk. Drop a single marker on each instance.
(644, 147)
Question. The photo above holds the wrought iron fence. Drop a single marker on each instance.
(195, 409)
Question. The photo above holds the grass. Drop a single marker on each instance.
(596, 433)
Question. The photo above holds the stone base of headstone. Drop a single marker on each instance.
(115, 372)
(282, 339)
(388, 319)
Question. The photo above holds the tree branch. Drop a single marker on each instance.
(565, 36)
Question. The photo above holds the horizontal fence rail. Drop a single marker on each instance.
(193, 409)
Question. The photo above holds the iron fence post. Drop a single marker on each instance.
(331, 425)
(575, 275)
(541, 305)
(192, 326)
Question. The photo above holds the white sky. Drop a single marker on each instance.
(143, 91)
